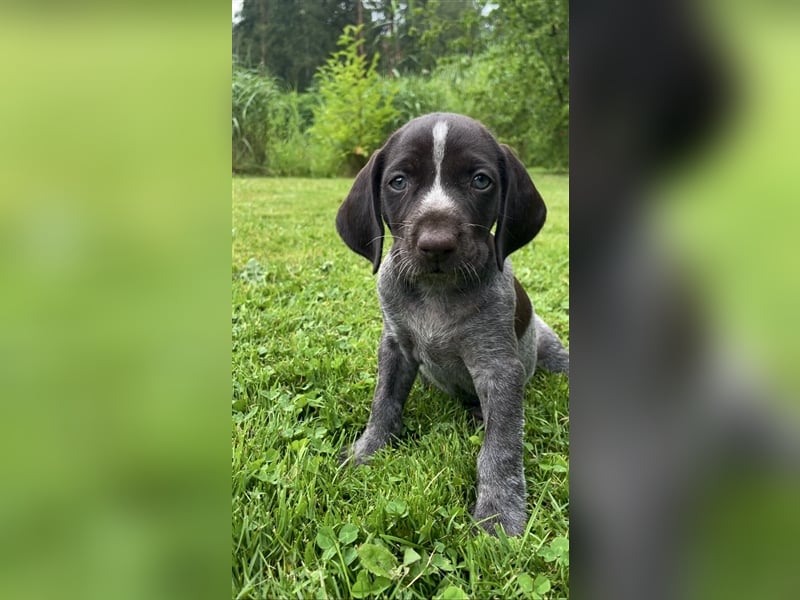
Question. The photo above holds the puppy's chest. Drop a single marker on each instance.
(433, 329)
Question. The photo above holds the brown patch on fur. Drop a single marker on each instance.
(522, 311)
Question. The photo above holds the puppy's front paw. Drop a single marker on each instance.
(365, 446)
(510, 513)
(346, 455)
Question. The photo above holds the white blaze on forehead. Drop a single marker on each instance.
(439, 137)
(436, 198)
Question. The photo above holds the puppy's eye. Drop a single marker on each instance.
(481, 182)
(398, 184)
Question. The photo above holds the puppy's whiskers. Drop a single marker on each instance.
(473, 273)
(405, 264)
(478, 225)
(380, 238)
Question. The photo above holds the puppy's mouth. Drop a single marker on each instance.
(455, 272)
(438, 276)
(437, 265)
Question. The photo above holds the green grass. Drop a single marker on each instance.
(305, 332)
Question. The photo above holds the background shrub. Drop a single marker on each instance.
(355, 112)
(269, 125)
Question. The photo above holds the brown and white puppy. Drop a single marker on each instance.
(452, 309)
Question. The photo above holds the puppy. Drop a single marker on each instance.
(452, 309)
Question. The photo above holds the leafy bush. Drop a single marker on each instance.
(421, 94)
(355, 113)
(521, 114)
(525, 118)
(288, 148)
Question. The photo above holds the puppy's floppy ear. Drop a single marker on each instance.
(359, 221)
(522, 210)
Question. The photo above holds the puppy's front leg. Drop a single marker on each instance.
(396, 374)
(501, 479)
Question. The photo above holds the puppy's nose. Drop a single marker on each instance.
(436, 243)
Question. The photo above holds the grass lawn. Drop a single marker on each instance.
(305, 334)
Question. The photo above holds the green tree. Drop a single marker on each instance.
(442, 28)
(355, 113)
(290, 38)
(528, 91)
(412, 36)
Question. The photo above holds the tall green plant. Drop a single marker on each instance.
(268, 126)
(355, 113)
(250, 99)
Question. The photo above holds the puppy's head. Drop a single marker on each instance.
(440, 183)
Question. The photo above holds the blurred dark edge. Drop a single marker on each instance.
(683, 461)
